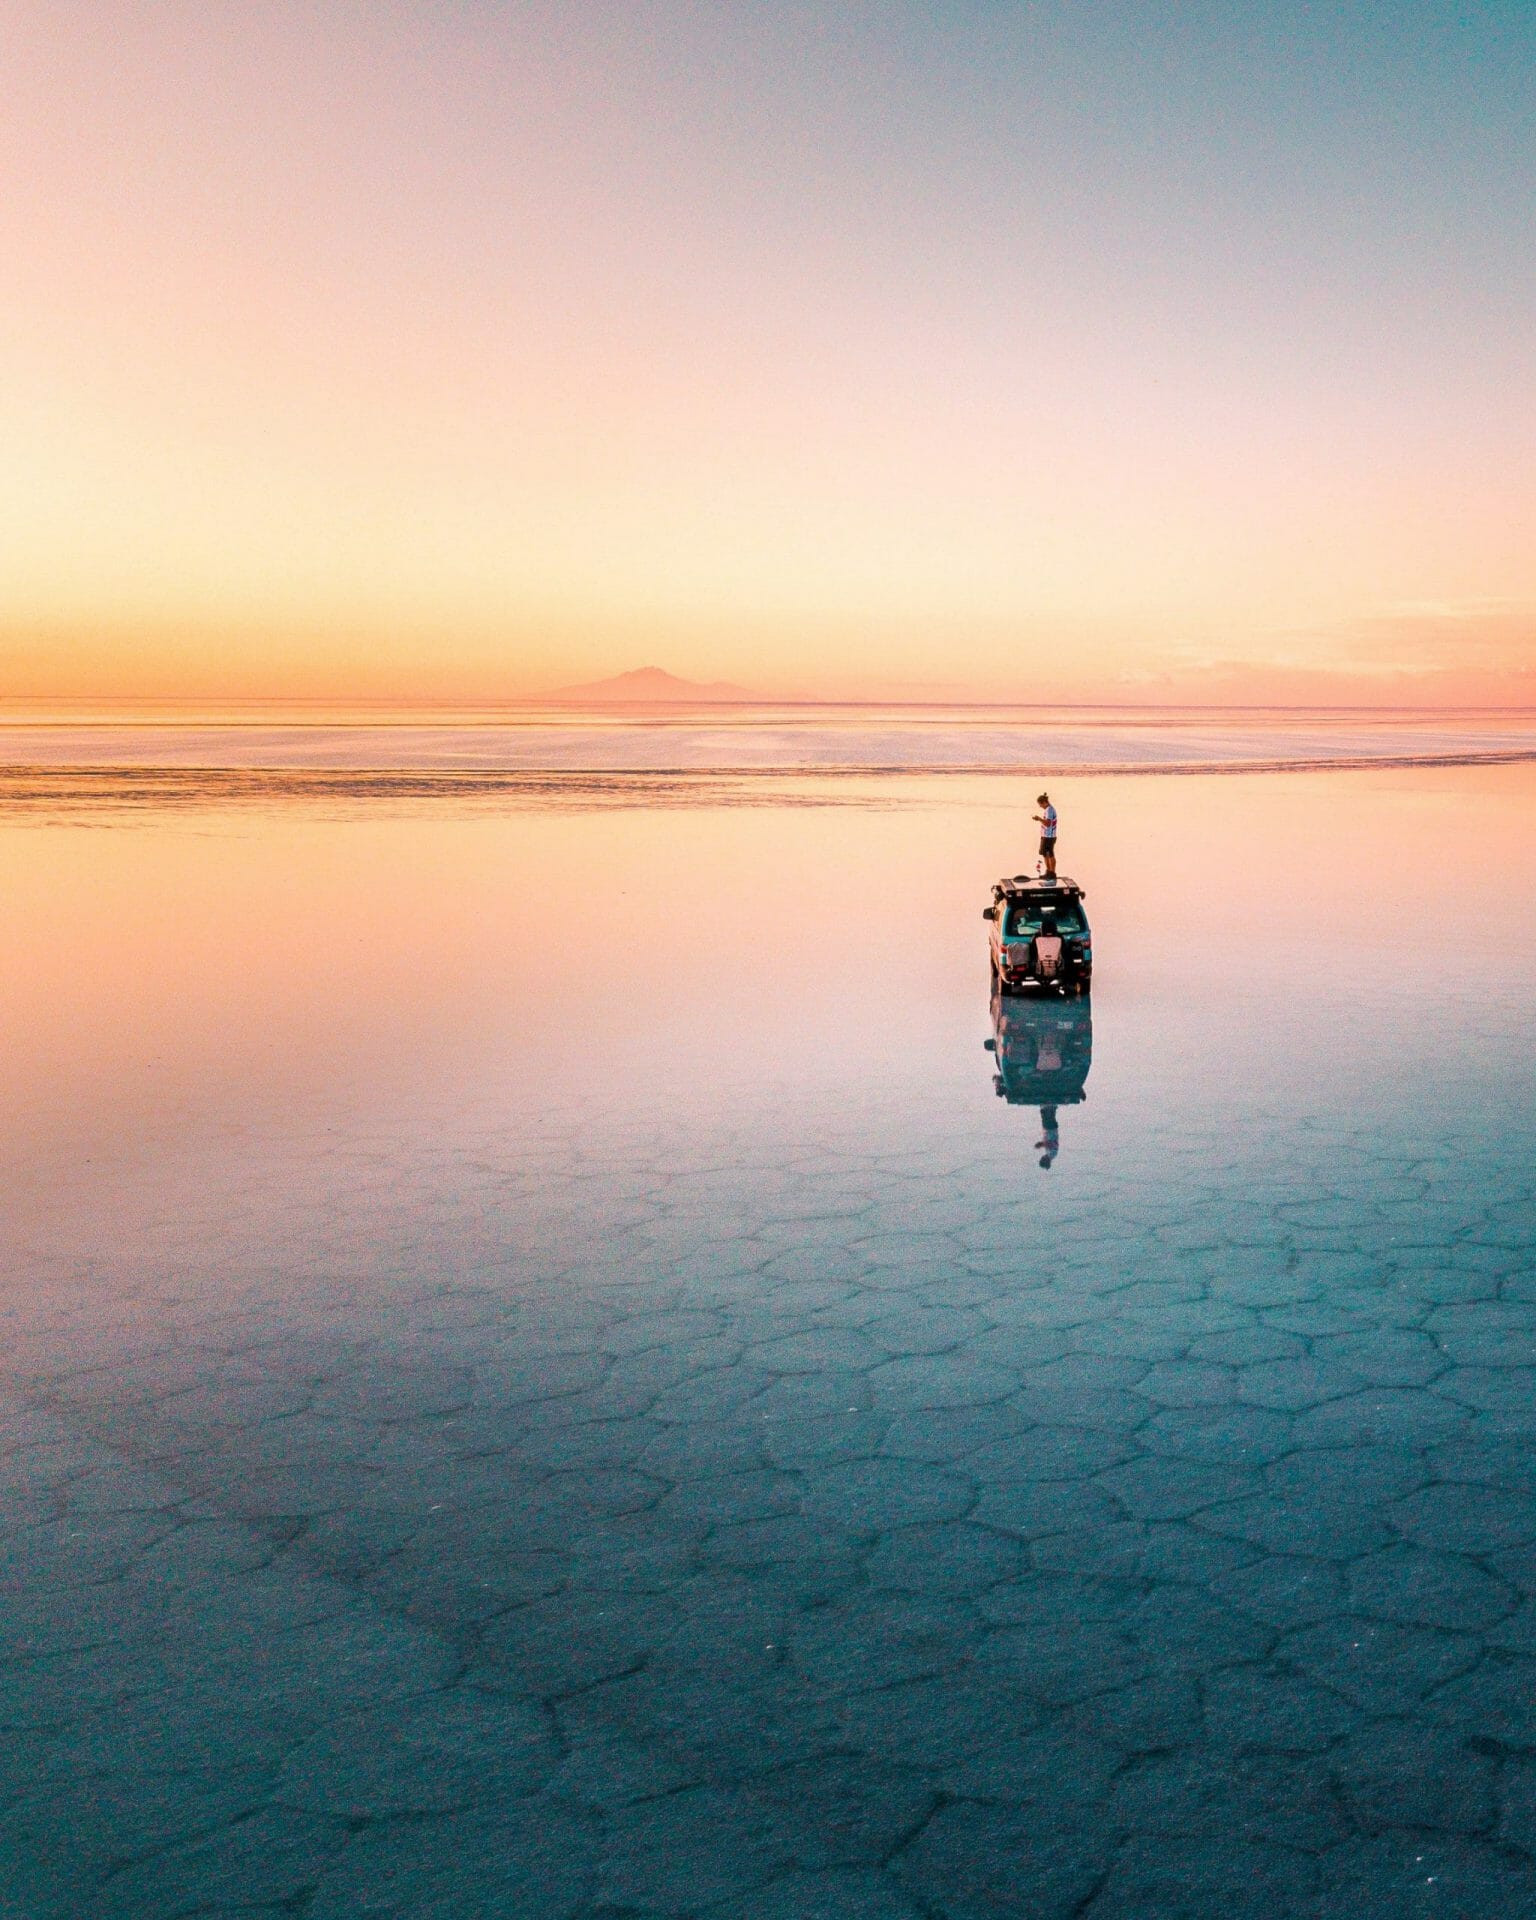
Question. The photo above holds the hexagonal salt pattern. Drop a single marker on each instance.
(480, 1443)
(761, 1524)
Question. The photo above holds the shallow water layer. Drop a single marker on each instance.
(549, 1369)
(491, 749)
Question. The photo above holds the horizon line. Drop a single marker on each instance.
(79, 710)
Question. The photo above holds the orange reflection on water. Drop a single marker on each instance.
(181, 989)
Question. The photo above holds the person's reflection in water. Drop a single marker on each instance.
(1043, 1047)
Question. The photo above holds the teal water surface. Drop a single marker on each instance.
(550, 1371)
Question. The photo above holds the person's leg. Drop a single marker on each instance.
(1049, 850)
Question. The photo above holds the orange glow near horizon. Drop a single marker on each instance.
(402, 353)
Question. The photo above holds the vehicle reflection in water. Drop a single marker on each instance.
(1043, 1047)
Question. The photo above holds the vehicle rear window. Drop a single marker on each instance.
(1024, 917)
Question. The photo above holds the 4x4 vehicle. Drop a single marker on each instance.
(1040, 936)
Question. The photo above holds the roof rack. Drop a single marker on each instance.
(1033, 883)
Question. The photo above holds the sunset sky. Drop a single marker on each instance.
(454, 349)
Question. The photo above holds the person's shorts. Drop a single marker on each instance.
(1048, 847)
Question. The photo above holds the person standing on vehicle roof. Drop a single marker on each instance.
(1047, 834)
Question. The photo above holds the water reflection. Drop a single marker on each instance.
(640, 1452)
(1043, 1048)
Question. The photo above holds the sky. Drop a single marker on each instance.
(454, 350)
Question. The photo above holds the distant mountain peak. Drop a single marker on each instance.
(650, 683)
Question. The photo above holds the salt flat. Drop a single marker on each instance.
(541, 1375)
